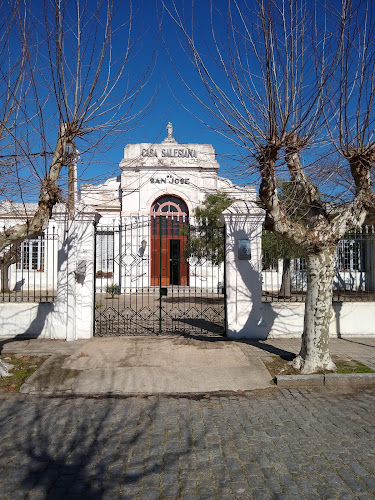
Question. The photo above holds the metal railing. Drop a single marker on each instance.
(284, 268)
(28, 270)
(148, 282)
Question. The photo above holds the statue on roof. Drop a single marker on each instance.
(170, 130)
(169, 137)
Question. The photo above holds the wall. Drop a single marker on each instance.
(70, 317)
(279, 320)
(247, 315)
(30, 320)
(285, 320)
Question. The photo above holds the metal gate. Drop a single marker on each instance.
(159, 275)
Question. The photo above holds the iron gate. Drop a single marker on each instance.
(159, 275)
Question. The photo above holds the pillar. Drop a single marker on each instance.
(75, 300)
(245, 313)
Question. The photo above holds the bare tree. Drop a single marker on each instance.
(68, 78)
(292, 82)
(75, 87)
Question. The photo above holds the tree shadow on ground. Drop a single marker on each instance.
(16, 338)
(284, 354)
(85, 448)
(209, 327)
(356, 342)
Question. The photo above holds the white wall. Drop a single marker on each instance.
(31, 320)
(285, 320)
(70, 316)
(243, 276)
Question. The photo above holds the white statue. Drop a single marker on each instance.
(169, 137)
(170, 130)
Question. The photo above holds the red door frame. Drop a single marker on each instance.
(169, 214)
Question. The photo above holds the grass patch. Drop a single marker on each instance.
(352, 366)
(23, 367)
(278, 366)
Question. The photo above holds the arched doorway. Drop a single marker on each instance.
(169, 223)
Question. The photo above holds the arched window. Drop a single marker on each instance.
(169, 206)
(169, 214)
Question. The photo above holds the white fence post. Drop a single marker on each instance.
(83, 294)
(243, 221)
(74, 307)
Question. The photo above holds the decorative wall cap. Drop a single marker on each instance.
(87, 213)
(244, 208)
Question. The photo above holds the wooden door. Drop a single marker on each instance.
(168, 263)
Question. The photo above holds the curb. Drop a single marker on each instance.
(327, 380)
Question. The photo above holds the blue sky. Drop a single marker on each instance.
(99, 163)
(165, 89)
(168, 89)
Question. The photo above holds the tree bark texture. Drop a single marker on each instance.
(5, 278)
(285, 288)
(314, 354)
(11, 256)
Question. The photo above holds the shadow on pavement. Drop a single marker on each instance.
(287, 355)
(356, 342)
(67, 450)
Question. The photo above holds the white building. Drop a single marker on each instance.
(140, 236)
(141, 214)
(120, 266)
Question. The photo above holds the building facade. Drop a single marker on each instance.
(147, 210)
(128, 238)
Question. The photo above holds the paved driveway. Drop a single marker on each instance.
(287, 444)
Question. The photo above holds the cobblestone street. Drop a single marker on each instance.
(287, 444)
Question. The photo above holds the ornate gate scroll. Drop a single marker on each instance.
(146, 285)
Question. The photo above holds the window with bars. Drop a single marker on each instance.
(32, 254)
(300, 264)
(349, 255)
(104, 251)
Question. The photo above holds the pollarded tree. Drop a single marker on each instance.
(273, 246)
(77, 83)
(67, 78)
(293, 83)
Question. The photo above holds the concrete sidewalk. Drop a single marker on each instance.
(162, 365)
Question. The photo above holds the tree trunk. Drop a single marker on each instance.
(4, 369)
(285, 280)
(5, 278)
(314, 354)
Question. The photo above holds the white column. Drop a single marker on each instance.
(245, 313)
(71, 247)
(73, 316)
(58, 320)
(81, 297)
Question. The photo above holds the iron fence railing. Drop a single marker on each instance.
(284, 268)
(153, 276)
(29, 269)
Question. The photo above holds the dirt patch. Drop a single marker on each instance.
(23, 368)
(278, 366)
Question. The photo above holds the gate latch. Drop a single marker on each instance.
(163, 291)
